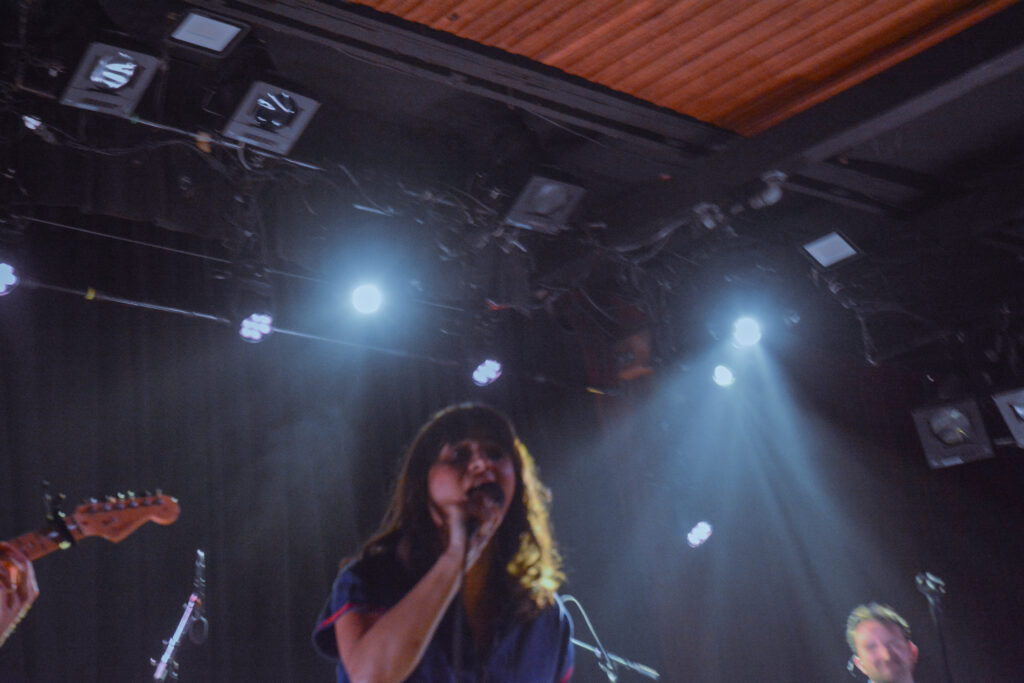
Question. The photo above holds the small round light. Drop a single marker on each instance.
(723, 376)
(8, 279)
(746, 332)
(700, 533)
(367, 298)
(256, 327)
(486, 373)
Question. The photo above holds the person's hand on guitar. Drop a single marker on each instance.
(18, 588)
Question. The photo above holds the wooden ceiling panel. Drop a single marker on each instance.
(744, 65)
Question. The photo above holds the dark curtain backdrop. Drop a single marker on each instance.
(282, 455)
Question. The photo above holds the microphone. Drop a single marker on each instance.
(478, 497)
(491, 490)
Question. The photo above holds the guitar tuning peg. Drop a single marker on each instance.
(120, 495)
(111, 499)
(147, 493)
(159, 492)
(131, 494)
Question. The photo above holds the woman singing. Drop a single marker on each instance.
(458, 585)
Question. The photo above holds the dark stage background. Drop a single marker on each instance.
(282, 453)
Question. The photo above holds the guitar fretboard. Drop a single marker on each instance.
(113, 519)
(42, 542)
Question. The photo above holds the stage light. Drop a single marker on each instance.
(545, 205)
(486, 373)
(830, 250)
(271, 118)
(252, 300)
(771, 193)
(256, 326)
(207, 35)
(746, 332)
(950, 426)
(8, 278)
(952, 433)
(723, 376)
(1011, 407)
(367, 299)
(110, 80)
(700, 533)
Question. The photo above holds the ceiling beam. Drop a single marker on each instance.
(974, 58)
(379, 38)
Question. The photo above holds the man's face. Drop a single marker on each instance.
(883, 653)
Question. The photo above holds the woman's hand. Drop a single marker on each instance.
(469, 527)
(484, 516)
(471, 485)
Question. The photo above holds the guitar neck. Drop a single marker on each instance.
(113, 519)
(42, 542)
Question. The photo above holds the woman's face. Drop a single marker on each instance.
(475, 474)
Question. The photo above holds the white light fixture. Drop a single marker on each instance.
(723, 376)
(746, 332)
(830, 250)
(700, 533)
(110, 79)
(213, 36)
(256, 326)
(8, 278)
(367, 299)
(486, 373)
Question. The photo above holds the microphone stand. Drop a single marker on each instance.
(933, 588)
(192, 619)
(606, 660)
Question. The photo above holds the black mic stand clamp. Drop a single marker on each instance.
(192, 619)
(933, 588)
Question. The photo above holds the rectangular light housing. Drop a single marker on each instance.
(212, 35)
(830, 250)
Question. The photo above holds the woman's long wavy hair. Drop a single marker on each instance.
(525, 545)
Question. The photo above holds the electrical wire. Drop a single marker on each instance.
(118, 238)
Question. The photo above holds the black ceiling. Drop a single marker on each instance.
(423, 141)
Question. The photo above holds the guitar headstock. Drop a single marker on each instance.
(118, 516)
